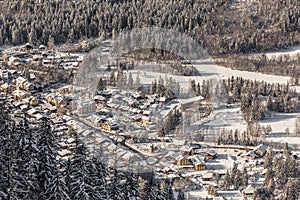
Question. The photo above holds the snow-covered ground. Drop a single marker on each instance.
(231, 118)
(283, 139)
(220, 117)
(211, 70)
(290, 51)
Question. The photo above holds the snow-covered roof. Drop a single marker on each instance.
(179, 142)
(99, 97)
(208, 175)
(146, 112)
(186, 148)
(249, 190)
(32, 111)
(180, 157)
(249, 153)
(86, 133)
(21, 80)
(262, 148)
(64, 152)
(197, 159)
(191, 100)
(39, 116)
(233, 194)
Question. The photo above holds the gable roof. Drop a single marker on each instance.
(261, 148)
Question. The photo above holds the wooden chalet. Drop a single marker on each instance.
(181, 160)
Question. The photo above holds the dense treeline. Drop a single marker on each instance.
(221, 26)
(31, 167)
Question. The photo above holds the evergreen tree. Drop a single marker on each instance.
(120, 75)
(227, 180)
(47, 155)
(98, 174)
(112, 79)
(101, 85)
(138, 80)
(130, 81)
(286, 150)
(57, 187)
(80, 183)
(153, 87)
(268, 159)
(244, 177)
(292, 190)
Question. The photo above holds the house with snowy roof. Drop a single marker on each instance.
(187, 150)
(232, 194)
(181, 160)
(198, 162)
(145, 120)
(86, 107)
(208, 154)
(20, 94)
(20, 82)
(250, 155)
(190, 103)
(209, 176)
(260, 150)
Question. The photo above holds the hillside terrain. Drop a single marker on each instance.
(222, 26)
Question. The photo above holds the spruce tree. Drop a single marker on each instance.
(47, 163)
(81, 184)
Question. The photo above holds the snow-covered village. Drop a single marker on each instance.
(151, 104)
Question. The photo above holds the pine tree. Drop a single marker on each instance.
(142, 185)
(130, 81)
(268, 159)
(130, 185)
(269, 103)
(271, 186)
(98, 174)
(112, 79)
(57, 187)
(29, 159)
(281, 170)
(120, 75)
(116, 184)
(292, 170)
(292, 190)
(227, 180)
(101, 85)
(47, 155)
(80, 184)
(244, 177)
(286, 150)
(138, 80)
(153, 87)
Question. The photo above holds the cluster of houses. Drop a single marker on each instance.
(29, 53)
(192, 156)
(188, 157)
(21, 87)
(111, 107)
